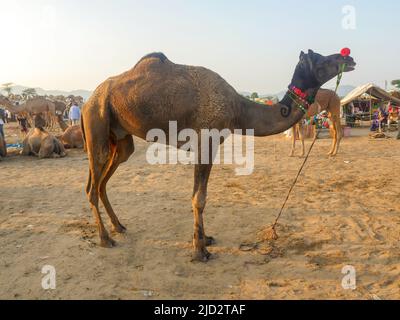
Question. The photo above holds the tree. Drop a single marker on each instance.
(254, 96)
(7, 87)
(29, 93)
(396, 83)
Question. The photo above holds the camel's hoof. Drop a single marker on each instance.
(107, 243)
(201, 256)
(119, 229)
(210, 241)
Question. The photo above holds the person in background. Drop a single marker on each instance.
(382, 117)
(2, 121)
(375, 121)
(8, 116)
(74, 114)
(389, 109)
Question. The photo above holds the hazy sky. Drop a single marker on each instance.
(254, 45)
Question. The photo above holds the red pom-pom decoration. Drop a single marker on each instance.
(345, 52)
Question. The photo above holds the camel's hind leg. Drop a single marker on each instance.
(99, 148)
(337, 135)
(93, 195)
(121, 153)
(200, 241)
(338, 129)
(334, 139)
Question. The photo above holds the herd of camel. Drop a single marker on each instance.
(43, 144)
(156, 91)
(43, 113)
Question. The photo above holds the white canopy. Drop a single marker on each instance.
(372, 90)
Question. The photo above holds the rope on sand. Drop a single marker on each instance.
(271, 234)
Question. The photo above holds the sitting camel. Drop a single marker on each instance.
(41, 143)
(325, 100)
(72, 135)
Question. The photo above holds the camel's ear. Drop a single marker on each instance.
(310, 51)
(302, 54)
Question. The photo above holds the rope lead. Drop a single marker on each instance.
(272, 234)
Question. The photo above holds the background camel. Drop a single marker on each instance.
(42, 144)
(37, 105)
(326, 100)
(60, 106)
(72, 135)
(40, 105)
(157, 91)
(10, 106)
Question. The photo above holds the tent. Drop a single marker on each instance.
(373, 91)
(358, 104)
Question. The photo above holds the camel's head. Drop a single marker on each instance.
(39, 121)
(3, 99)
(313, 69)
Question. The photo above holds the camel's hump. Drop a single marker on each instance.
(154, 55)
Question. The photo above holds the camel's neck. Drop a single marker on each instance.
(269, 120)
(62, 124)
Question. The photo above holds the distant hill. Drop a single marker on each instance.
(17, 89)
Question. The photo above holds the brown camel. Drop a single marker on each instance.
(326, 100)
(42, 144)
(10, 106)
(37, 105)
(60, 106)
(72, 135)
(61, 122)
(157, 91)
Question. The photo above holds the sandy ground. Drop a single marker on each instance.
(343, 211)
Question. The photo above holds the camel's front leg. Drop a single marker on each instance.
(26, 147)
(200, 241)
(293, 141)
(301, 137)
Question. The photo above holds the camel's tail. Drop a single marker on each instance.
(83, 135)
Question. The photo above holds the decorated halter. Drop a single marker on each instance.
(302, 99)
